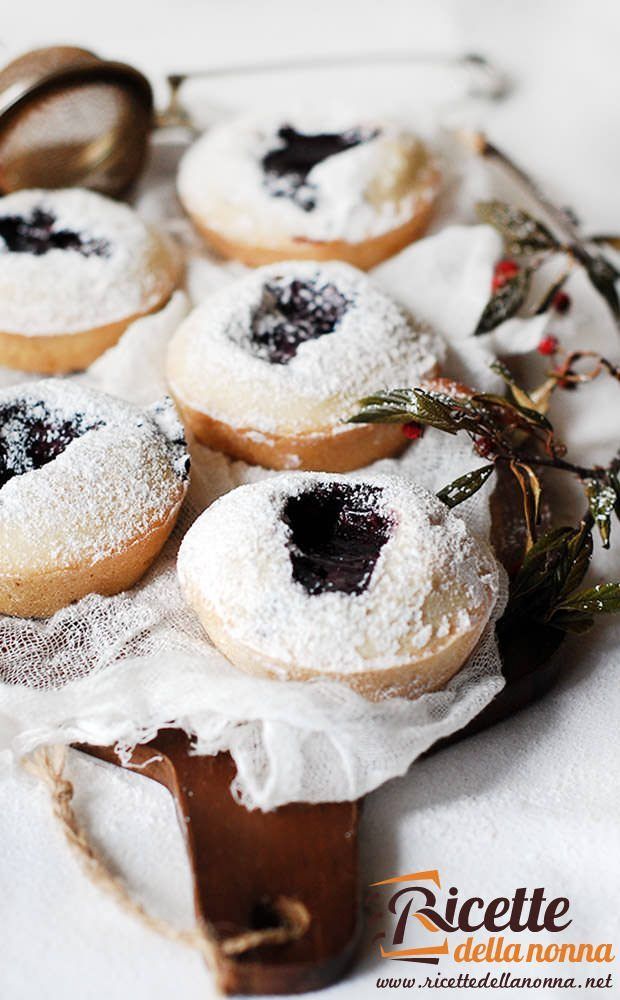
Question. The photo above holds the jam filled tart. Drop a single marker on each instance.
(90, 489)
(314, 186)
(270, 367)
(75, 269)
(369, 581)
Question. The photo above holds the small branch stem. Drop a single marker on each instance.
(556, 463)
(560, 218)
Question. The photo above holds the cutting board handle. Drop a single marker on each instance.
(287, 879)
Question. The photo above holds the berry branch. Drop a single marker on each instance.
(526, 236)
(515, 433)
(530, 243)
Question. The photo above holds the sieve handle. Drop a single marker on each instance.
(485, 80)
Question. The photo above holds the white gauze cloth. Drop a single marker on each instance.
(115, 670)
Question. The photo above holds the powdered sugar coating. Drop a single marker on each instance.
(432, 582)
(109, 486)
(64, 291)
(213, 367)
(360, 193)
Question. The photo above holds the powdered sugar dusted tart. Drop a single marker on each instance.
(269, 367)
(75, 269)
(90, 489)
(371, 581)
(319, 186)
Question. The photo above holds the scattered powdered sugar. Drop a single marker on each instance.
(215, 367)
(124, 268)
(124, 474)
(432, 580)
(362, 191)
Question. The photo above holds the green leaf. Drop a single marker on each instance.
(615, 483)
(574, 562)
(519, 395)
(538, 561)
(518, 402)
(522, 233)
(465, 486)
(522, 399)
(603, 599)
(578, 612)
(553, 567)
(551, 544)
(547, 300)
(603, 276)
(404, 405)
(602, 499)
(504, 302)
(569, 621)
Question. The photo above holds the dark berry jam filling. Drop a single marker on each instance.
(291, 312)
(37, 235)
(337, 533)
(31, 435)
(287, 167)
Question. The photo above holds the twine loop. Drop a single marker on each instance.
(48, 765)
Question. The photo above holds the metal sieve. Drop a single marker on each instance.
(69, 118)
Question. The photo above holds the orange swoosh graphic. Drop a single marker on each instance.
(431, 876)
(404, 952)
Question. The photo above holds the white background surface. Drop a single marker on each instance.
(533, 802)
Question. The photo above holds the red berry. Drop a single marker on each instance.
(503, 271)
(561, 302)
(413, 430)
(548, 345)
(483, 446)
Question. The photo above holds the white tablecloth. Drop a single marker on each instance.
(535, 801)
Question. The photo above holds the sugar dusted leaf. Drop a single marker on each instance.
(578, 612)
(505, 302)
(522, 233)
(603, 599)
(385, 408)
(602, 499)
(465, 486)
(405, 405)
(615, 483)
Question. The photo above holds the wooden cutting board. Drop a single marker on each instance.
(242, 861)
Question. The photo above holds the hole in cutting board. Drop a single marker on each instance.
(265, 915)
